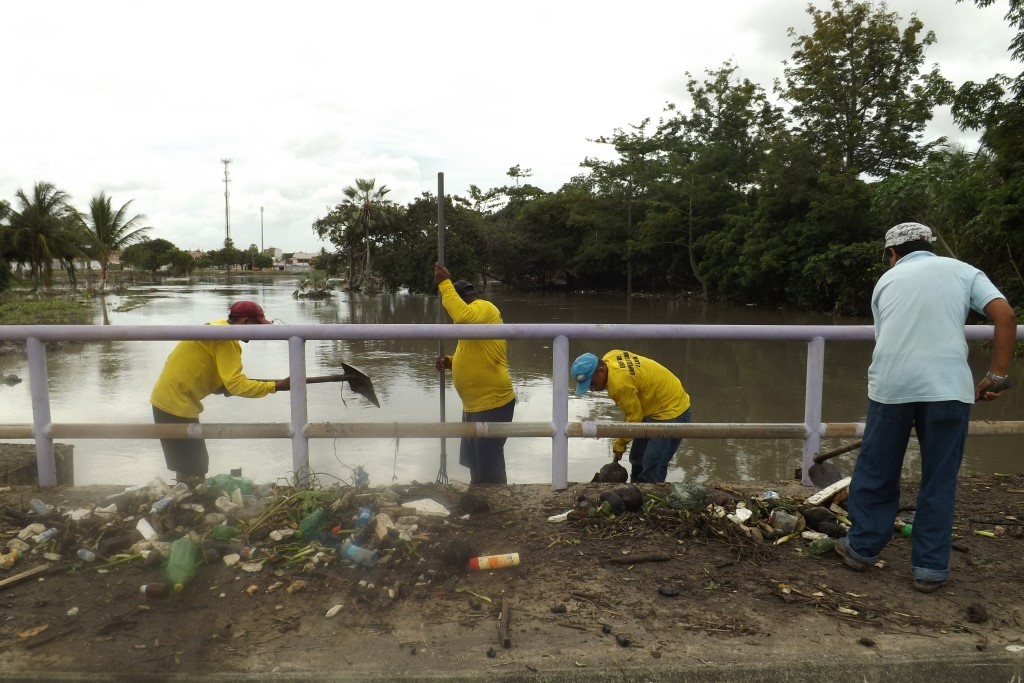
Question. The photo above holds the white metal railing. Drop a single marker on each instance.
(810, 431)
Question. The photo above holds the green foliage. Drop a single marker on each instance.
(857, 88)
(44, 309)
(154, 255)
(313, 285)
(108, 231)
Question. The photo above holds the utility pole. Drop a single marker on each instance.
(227, 211)
(261, 229)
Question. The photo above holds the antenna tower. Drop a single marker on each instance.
(227, 210)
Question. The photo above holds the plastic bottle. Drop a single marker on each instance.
(153, 590)
(46, 535)
(820, 546)
(223, 532)
(361, 557)
(39, 507)
(227, 483)
(364, 517)
(86, 555)
(313, 522)
(906, 530)
(181, 566)
(493, 561)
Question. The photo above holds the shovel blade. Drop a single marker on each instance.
(360, 383)
(824, 474)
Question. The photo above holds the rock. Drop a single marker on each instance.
(613, 500)
(631, 495)
(612, 473)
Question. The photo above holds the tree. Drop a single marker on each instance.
(365, 209)
(111, 231)
(714, 157)
(154, 255)
(43, 230)
(857, 89)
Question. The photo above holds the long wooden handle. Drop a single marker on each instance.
(320, 379)
(827, 455)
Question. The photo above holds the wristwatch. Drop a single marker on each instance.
(999, 382)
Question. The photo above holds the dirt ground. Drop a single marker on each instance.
(662, 587)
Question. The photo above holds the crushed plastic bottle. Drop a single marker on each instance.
(86, 555)
(361, 557)
(226, 483)
(313, 523)
(46, 535)
(40, 508)
(181, 565)
(822, 546)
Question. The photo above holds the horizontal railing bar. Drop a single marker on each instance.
(465, 331)
(371, 430)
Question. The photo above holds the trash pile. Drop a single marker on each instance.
(765, 518)
(231, 520)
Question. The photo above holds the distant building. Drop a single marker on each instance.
(295, 262)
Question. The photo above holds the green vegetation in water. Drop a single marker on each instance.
(44, 309)
(130, 302)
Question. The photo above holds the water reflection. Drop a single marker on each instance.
(729, 382)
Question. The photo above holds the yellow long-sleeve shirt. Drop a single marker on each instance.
(197, 368)
(643, 388)
(479, 366)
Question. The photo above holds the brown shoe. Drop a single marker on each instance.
(851, 562)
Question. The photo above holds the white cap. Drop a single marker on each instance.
(908, 232)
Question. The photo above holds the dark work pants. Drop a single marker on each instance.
(485, 458)
(183, 456)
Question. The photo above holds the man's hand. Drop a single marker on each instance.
(441, 274)
(442, 363)
(989, 390)
(617, 454)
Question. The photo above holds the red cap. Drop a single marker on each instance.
(248, 309)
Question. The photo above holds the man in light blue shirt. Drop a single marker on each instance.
(919, 379)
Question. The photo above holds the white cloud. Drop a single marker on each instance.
(143, 101)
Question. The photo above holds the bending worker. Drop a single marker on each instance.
(480, 375)
(646, 391)
(195, 369)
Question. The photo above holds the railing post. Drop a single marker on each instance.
(560, 413)
(812, 404)
(299, 417)
(39, 386)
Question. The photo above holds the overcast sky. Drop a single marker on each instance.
(142, 100)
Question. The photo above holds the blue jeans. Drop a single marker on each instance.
(875, 492)
(649, 458)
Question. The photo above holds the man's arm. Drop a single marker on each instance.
(1001, 314)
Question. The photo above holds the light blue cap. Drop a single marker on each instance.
(583, 369)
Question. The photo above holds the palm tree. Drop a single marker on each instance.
(111, 231)
(366, 210)
(44, 230)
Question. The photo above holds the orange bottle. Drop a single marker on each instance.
(493, 561)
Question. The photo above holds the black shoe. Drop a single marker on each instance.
(929, 586)
(851, 562)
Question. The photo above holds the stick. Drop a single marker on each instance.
(11, 580)
(503, 623)
(852, 446)
(637, 559)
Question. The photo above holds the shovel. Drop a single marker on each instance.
(824, 474)
(357, 380)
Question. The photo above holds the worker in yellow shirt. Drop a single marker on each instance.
(194, 370)
(480, 375)
(646, 391)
